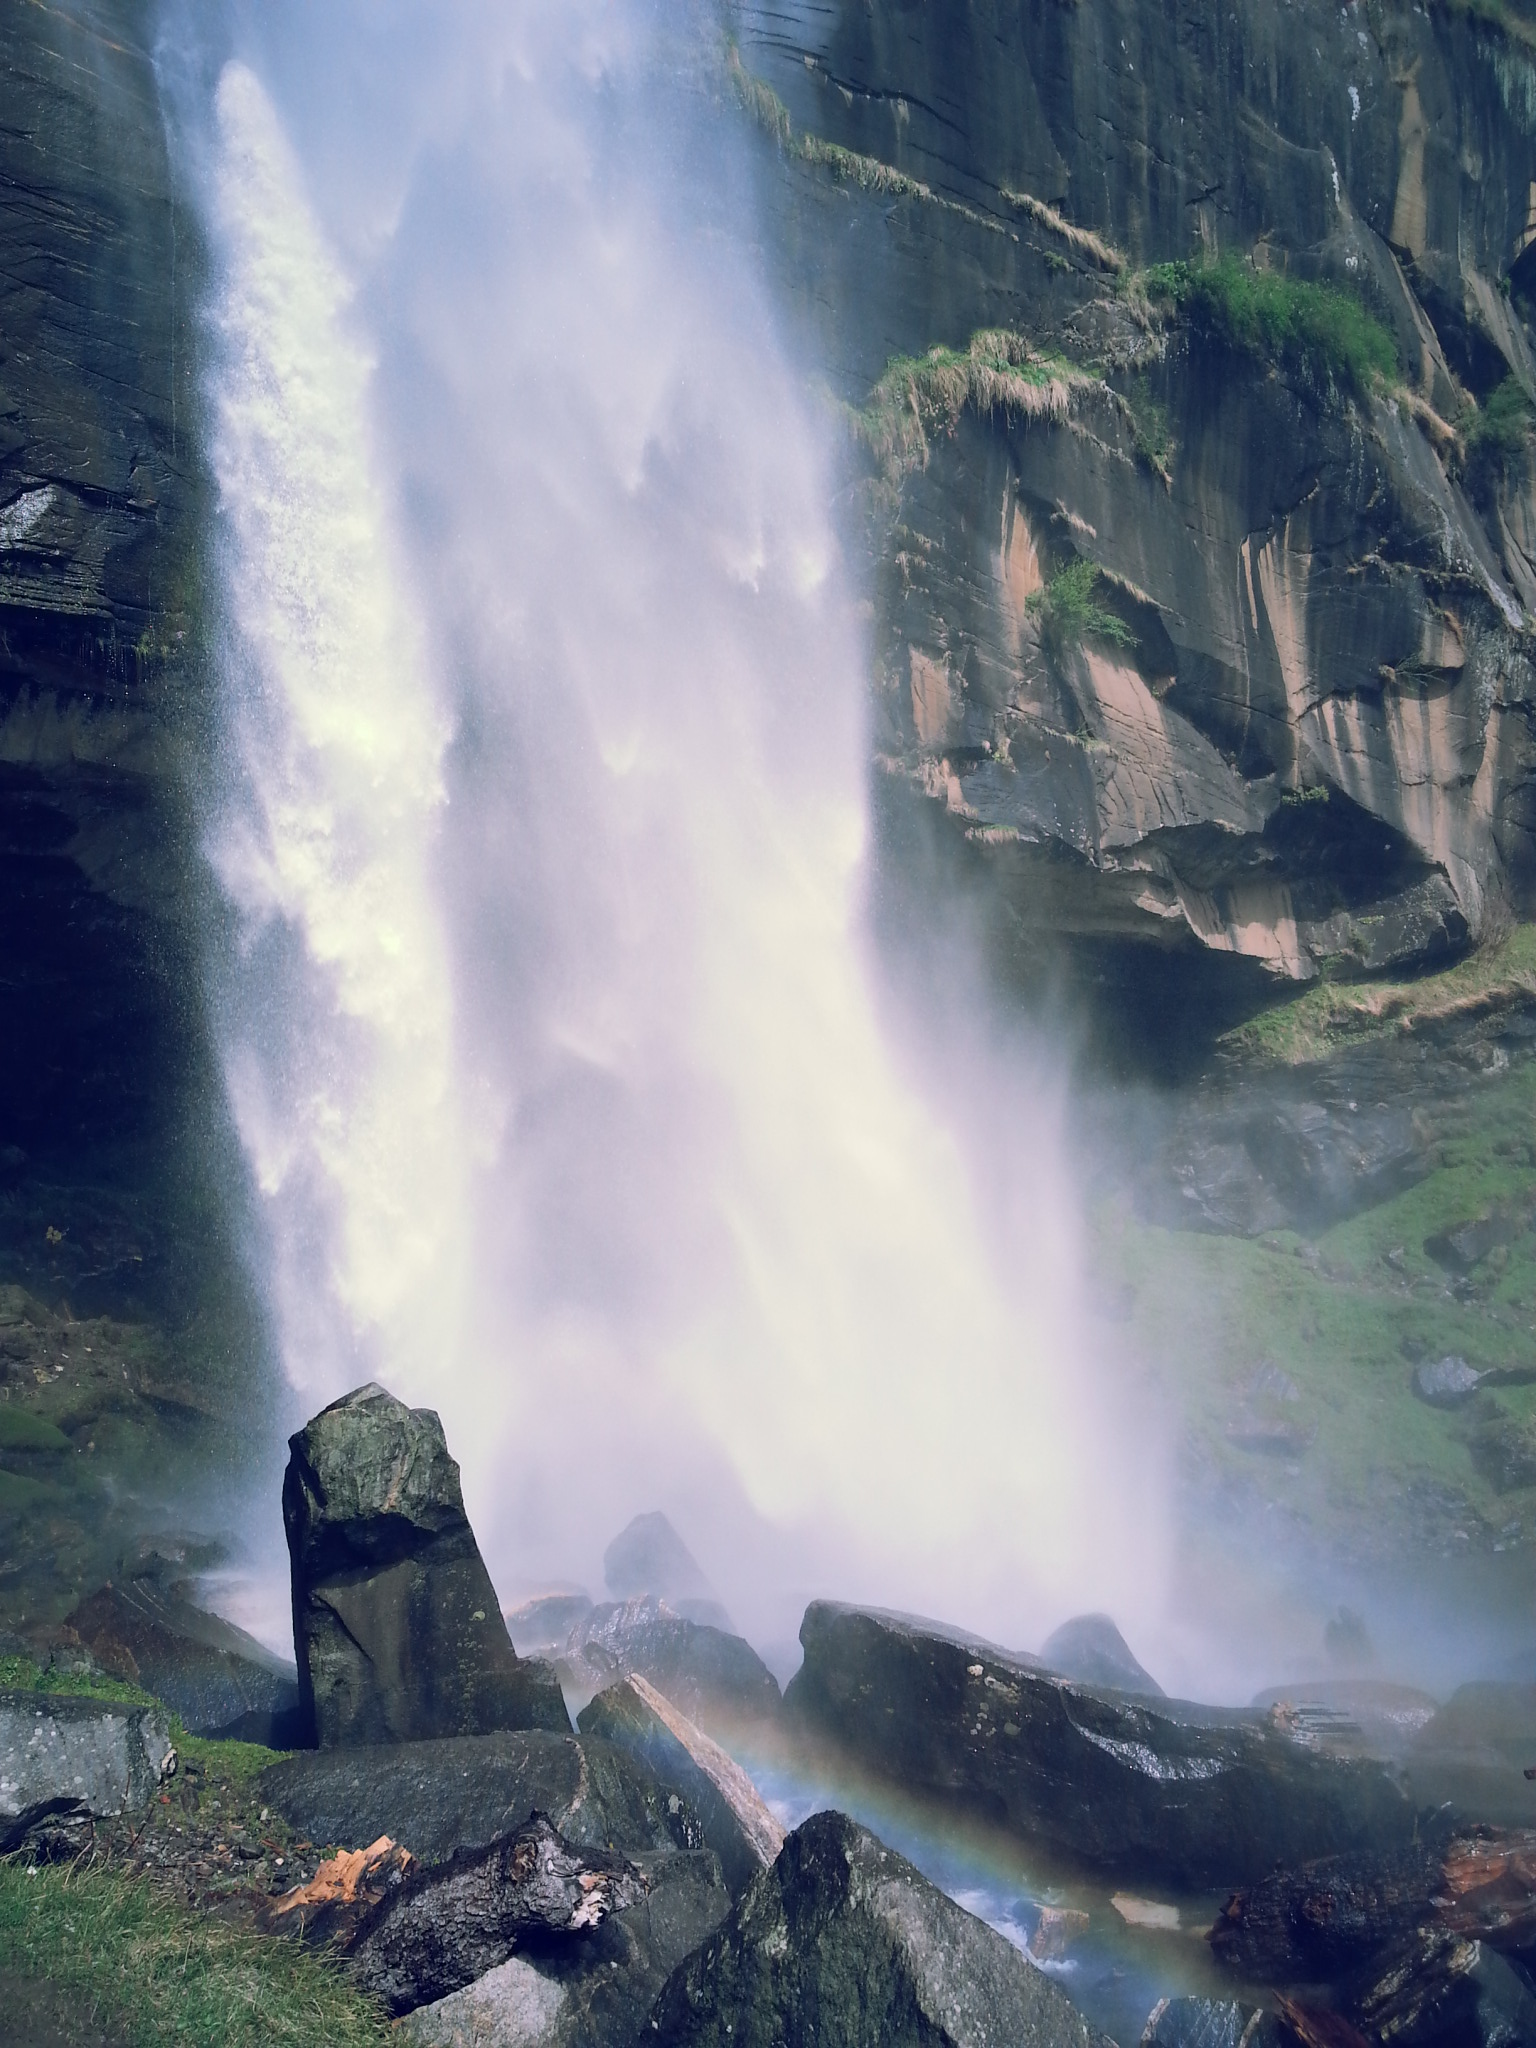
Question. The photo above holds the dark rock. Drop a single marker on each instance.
(1209, 2023)
(212, 1673)
(543, 1626)
(449, 1923)
(1165, 1790)
(65, 1760)
(1440, 1991)
(718, 1680)
(842, 1942)
(737, 1825)
(395, 1621)
(1092, 1649)
(1503, 1448)
(1325, 1920)
(594, 1990)
(1446, 1382)
(435, 1797)
(649, 1557)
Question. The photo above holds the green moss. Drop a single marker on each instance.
(1069, 612)
(1319, 331)
(160, 1974)
(22, 1431)
(1327, 1015)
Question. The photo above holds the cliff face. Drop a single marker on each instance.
(97, 1012)
(1295, 733)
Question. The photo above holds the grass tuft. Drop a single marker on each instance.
(1320, 331)
(920, 396)
(1498, 433)
(160, 1974)
(1069, 612)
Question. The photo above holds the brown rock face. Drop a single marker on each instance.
(396, 1625)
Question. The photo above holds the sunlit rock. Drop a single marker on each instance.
(841, 1939)
(66, 1762)
(395, 1621)
(737, 1825)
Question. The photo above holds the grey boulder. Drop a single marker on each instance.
(1145, 1788)
(843, 1944)
(1092, 1650)
(1209, 2023)
(737, 1825)
(1446, 1382)
(65, 1762)
(463, 1792)
(396, 1624)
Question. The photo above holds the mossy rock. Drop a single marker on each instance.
(20, 1430)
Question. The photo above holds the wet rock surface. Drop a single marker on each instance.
(595, 1990)
(737, 1825)
(1210, 2023)
(436, 1797)
(67, 1762)
(210, 1672)
(1167, 1790)
(841, 1940)
(396, 1624)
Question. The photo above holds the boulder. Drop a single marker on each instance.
(1090, 1648)
(842, 1942)
(1209, 2023)
(594, 1990)
(1446, 1382)
(447, 1924)
(212, 1673)
(649, 1557)
(543, 1626)
(395, 1621)
(1475, 1750)
(65, 1762)
(465, 1791)
(1165, 1790)
(737, 1825)
(717, 1679)
(1351, 1716)
(1439, 1990)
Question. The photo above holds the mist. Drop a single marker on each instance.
(576, 1101)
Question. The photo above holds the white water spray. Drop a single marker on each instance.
(569, 1096)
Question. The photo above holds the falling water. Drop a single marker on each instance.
(554, 1038)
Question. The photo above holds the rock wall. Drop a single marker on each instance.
(1310, 749)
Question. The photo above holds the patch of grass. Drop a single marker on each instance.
(1069, 612)
(1319, 331)
(160, 1974)
(918, 397)
(1498, 432)
(237, 1764)
(1309, 1026)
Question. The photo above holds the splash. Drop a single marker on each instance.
(560, 1055)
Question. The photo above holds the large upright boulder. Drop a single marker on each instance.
(396, 1625)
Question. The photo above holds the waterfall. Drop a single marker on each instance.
(554, 1035)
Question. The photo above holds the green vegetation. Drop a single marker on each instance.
(919, 396)
(1498, 432)
(20, 1430)
(1319, 331)
(1069, 612)
(159, 1974)
(238, 1764)
(1326, 1015)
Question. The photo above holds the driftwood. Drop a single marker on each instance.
(1327, 1920)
